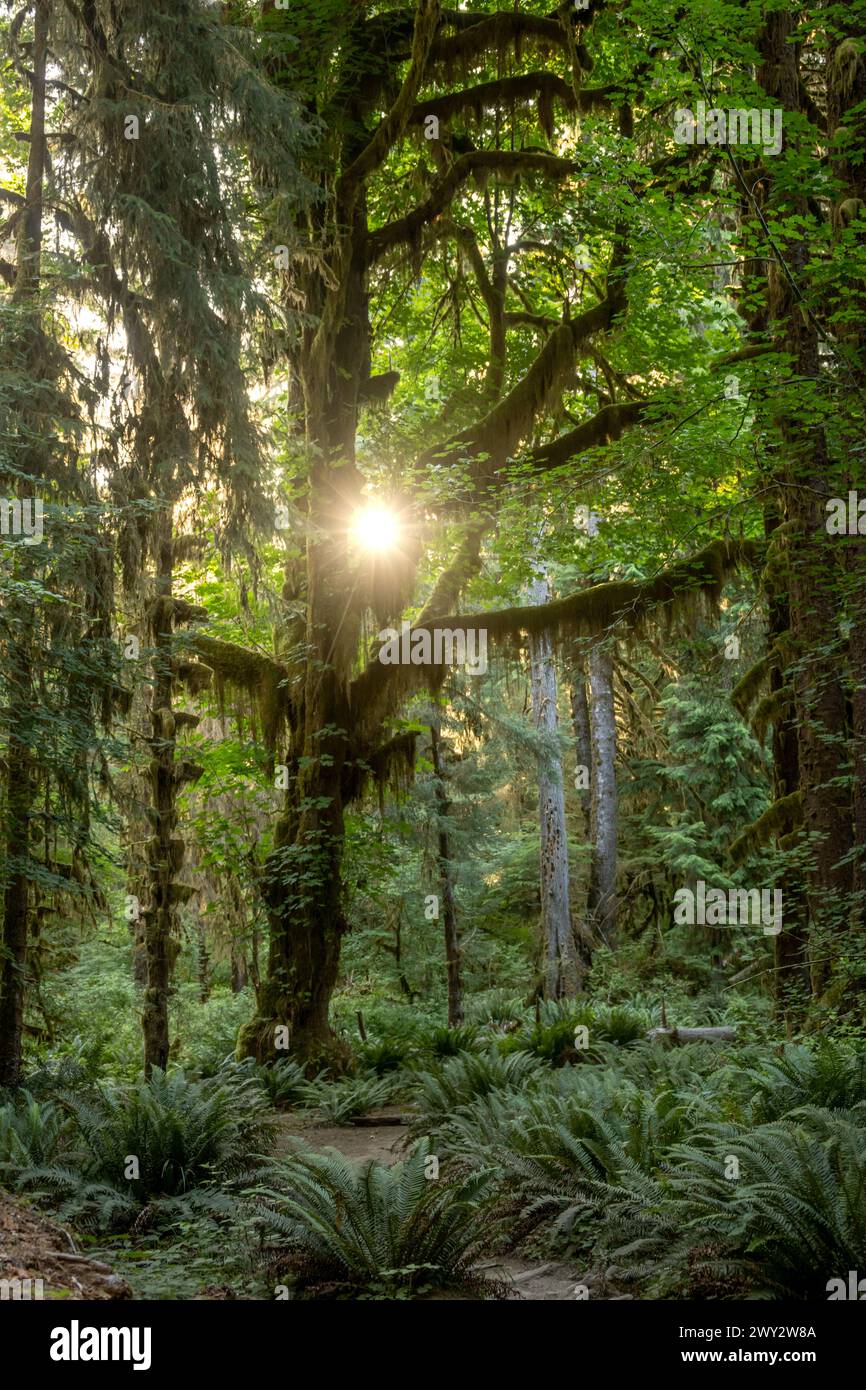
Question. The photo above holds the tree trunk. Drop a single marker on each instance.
(602, 901)
(446, 881)
(791, 945)
(582, 733)
(203, 962)
(561, 973)
(819, 697)
(22, 711)
(159, 913)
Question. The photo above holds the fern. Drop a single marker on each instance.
(30, 1133)
(340, 1102)
(830, 1075)
(794, 1219)
(439, 1093)
(342, 1228)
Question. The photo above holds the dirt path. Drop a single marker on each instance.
(385, 1142)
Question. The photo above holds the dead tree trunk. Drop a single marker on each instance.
(561, 972)
(602, 901)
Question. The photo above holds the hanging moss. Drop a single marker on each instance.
(780, 819)
(772, 710)
(194, 675)
(391, 766)
(238, 671)
(689, 589)
(745, 692)
(185, 770)
(691, 586)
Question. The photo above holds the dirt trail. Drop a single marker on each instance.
(385, 1142)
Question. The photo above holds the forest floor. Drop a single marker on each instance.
(381, 1136)
(33, 1248)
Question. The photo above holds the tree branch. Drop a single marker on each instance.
(546, 87)
(606, 426)
(391, 128)
(489, 442)
(592, 612)
(589, 613)
(512, 162)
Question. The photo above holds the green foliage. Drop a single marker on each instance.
(386, 1055)
(458, 1080)
(283, 1082)
(340, 1230)
(140, 1146)
(792, 1221)
(829, 1075)
(340, 1102)
(31, 1133)
(450, 1042)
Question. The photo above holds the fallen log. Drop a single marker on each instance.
(374, 1121)
(687, 1035)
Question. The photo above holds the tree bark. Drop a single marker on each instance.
(819, 697)
(561, 970)
(602, 900)
(22, 711)
(160, 946)
(791, 945)
(582, 733)
(446, 883)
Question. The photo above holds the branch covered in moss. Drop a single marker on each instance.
(780, 819)
(592, 612)
(489, 442)
(772, 709)
(543, 87)
(509, 163)
(479, 33)
(606, 426)
(392, 126)
(262, 679)
(692, 583)
(745, 692)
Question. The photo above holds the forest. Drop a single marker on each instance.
(433, 650)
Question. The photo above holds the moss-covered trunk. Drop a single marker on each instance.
(805, 484)
(303, 883)
(22, 712)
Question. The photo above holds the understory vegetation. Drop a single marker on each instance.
(690, 1171)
